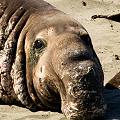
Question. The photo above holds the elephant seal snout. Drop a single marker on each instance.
(75, 74)
(82, 80)
(48, 61)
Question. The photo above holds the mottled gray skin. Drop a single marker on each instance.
(48, 61)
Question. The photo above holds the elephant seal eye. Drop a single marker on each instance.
(86, 39)
(38, 44)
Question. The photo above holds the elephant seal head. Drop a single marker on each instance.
(55, 65)
(64, 69)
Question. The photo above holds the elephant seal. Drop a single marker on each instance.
(115, 17)
(48, 61)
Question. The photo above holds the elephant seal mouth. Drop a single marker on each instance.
(89, 108)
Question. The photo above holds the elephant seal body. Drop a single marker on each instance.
(48, 61)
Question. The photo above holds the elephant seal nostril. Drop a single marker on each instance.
(91, 70)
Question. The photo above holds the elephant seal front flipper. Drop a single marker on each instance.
(115, 17)
(114, 83)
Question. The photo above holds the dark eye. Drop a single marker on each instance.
(86, 39)
(38, 44)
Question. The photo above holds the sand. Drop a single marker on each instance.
(106, 41)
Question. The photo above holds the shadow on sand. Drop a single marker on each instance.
(112, 98)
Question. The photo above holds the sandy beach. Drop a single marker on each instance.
(105, 35)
